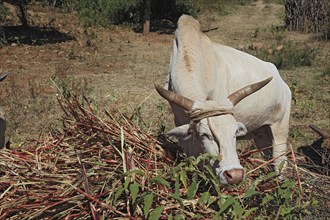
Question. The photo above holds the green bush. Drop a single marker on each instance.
(3, 13)
(108, 12)
(172, 9)
(193, 189)
(293, 55)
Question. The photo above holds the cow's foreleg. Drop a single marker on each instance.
(280, 134)
(276, 136)
(263, 138)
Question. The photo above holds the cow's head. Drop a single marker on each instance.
(214, 128)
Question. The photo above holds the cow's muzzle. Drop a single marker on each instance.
(234, 176)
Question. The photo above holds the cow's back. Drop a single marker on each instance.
(239, 69)
(201, 70)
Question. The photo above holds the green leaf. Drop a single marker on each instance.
(183, 178)
(135, 171)
(198, 216)
(229, 201)
(287, 184)
(280, 167)
(192, 189)
(159, 179)
(157, 212)
(179, 217)
(272, 174)
(217, 216)
(176, 196)
(120, 190)
(249, 212)
(216, 186)
(210, 171)
(177, 186)
(267, 199)
(250, 192)
(126, 183)
(147, 204)
(211, 200)
(134, 189)
(237, 209)
(205, 197)
(284, 211)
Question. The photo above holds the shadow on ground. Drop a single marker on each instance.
(316, 159)
(32, 35)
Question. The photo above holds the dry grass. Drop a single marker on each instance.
(78, 172)
(84, 162)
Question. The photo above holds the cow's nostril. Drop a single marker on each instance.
(227, 175)
(234, 176)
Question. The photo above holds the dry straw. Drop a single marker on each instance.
(78, 173)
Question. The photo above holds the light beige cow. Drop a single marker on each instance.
(218, 94)
(2, 120)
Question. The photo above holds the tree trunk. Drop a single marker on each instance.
(2, 130)
(146, 17)
(2, 119)
(22, 14)
(21, 10)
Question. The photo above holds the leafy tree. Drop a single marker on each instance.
(109, 12)
(146, 17)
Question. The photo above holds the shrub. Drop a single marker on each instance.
(172, 9)
(105, 13)
(3, 40)
(293, 55)
(3, 13)
(108, 12)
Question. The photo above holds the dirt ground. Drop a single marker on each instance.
(116, 68)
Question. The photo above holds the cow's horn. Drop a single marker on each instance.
(2, 77)
(240, 94)
(323, 134)
(170, 96)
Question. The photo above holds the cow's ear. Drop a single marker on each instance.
(179, 132)
(241, 129)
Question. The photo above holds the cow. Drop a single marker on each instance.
(2, 120)
(219, 94)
